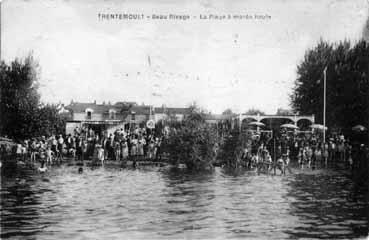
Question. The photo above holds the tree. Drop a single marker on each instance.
(227, 112)
(21, 113)
(347, 84)
(49, 121)
(231, 148)
(254, 111)
(283, 112)
(19, 98)
(191, 141)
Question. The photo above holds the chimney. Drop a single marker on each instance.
(95, 102)
(71, 102)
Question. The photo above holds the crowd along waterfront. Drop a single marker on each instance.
(92, 187)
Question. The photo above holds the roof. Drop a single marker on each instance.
(125, 104)
(169, 110)
(217, 117)
(97, 108)
(128, 107)
(140, 110)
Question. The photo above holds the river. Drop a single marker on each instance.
(154, 203)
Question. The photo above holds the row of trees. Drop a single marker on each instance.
(22, 113)
(347, 84)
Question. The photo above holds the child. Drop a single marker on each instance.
(42, 154)
(100, 154)
(49, 155)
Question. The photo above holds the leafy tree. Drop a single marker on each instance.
(231, 148)
(49, 121)
(21, 114)
(191, 141)
(347, 84)
(19, 98)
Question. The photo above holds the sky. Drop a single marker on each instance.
(219, 64)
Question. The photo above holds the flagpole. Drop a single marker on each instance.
(0, 29)
(324, 104)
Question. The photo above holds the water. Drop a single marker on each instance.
(152, 203)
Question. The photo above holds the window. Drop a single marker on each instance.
(89, 114)
(112, 113)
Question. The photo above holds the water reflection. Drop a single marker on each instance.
(155, 203)
(189, 209)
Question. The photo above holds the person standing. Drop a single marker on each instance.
(60, 147)
(158, 149)
(117, 150)
(49, 155)
(111, 146)
(325, 153)
(84, 148)
(134, 143)
(54, 144)
(140, 147)
(124, 149)
(33, 150)
(129, 145)
(341, 151)
(318, 154)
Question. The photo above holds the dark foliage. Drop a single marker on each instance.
(21, 114)
(347, 84)
(191, 141)
(230, 149)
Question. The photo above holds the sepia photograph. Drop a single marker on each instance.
(184, 119)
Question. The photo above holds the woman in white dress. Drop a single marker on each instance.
(134, 143)
(141, 143)
(124, 150)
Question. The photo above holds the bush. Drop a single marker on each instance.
(191, 142)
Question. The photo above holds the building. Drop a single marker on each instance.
(107, 118)
(169, 113)
(138, 115)
(99, 117)
(217, 118)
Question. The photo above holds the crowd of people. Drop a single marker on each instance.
(260, 150)
(139, 143)
(308, 151)
(84, 144)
